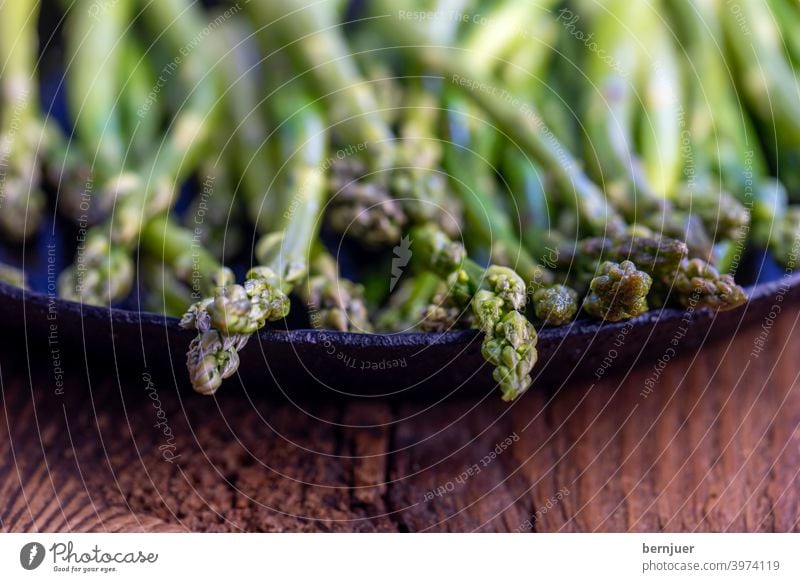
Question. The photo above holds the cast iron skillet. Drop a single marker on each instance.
(80, 337)
(72, 338)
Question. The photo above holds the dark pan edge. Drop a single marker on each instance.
(39, 303)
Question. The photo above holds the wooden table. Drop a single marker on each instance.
(714, 447)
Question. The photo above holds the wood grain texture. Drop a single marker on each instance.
(714, 447)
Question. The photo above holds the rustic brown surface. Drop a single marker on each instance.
(715, 447)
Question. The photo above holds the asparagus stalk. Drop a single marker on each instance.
(763, 73)
(387, 88)
(103, 271)
(515, 117)
(95, 49)
(699, 284)
(786, 14)
(250, 152)
(364, 208)
(422, 188)
(542, 227)
(165, 293)
(141, 126)
(214, 214)
(180, 251)
(408, 305)
(234, 162)
(523, 65)
(666, 152)
(610, 117)
(549, 85)
(505, 29)
(68, 171)
(312, 36)
(766, 78)
(362, 205)
(721, 129)
(495, 296)
(723, 156)
(610, 108)
(658, 257)
(526, 180)
(187, 137)
(333, 301)
(618, 292)
(776, 224)
(660, 127)
(473, 182)
(555, 304)
(226, 321)
(700, 194)
(418, 180)
(689, 281)
(21, 200)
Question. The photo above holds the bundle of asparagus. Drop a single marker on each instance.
(501, 166)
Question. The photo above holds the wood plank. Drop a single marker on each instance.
(714, 447)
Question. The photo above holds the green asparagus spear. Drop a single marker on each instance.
(387, 88)
(474, 184)
(526, 183)
(610, 95)
(721, 131)
(187, 137)
(523, 68)
(250, 154)
(68, 171)
(763, 74)
(96, 55)
(660, 125)
(235, 155)
(555, 304)
(363, 204)
(500, 30)
(698, 284)
(495, 296)
(618, 292)
(21, 200)
(214, 214)
(103, 272)
(165, 293)
(658, 257)
(408, 304)
(665, 262)
(311, 33)
(517, 118)
(141, 115)
(786, 14)
(364, 209)
(721, 154)
(422, 188)
(612, 110)
(181, 251)
(226, 321)
(333, 301)
(151, 191)
(766, 79)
